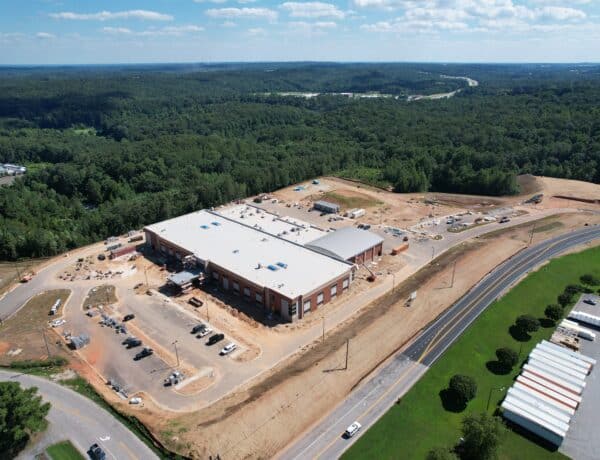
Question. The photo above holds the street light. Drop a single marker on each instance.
(176, 352)
(490, 396)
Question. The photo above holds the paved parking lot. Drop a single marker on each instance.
(582, 441)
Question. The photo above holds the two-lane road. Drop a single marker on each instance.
(372, 399)
(83, 422)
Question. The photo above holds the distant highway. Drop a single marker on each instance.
(83, 422)
(373, 398)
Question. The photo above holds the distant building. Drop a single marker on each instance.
(326, 206)
(350, 244)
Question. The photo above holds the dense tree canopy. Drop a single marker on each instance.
(22, 413)
(110, 149)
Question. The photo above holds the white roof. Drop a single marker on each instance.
(285, 227)
(346, 242)
(294, 270)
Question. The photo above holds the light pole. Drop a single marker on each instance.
(487, 408)
(176, 352)
(432, 252)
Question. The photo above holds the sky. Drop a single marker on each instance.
(34, 32)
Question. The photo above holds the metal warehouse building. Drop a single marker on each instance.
(326, 206)
(283, 276)
(350, 244)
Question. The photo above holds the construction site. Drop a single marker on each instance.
(248, 312)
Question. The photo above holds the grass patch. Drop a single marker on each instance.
(351, 199)
(100, 295)
(419, 421)
(28, 329)
(64, 450)
(548, 227)
(10, 272)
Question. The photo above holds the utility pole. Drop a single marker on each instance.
(45, 342)
(453, 273)
(432, 252)
(531, 235)
(347, 347)
(176, 352)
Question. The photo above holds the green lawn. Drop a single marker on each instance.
(64, 451)
(419, 421)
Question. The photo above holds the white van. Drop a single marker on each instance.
(352, 430)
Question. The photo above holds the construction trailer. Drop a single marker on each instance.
(585, 317)
(568, 362)
(559, 364)
(582, 332)
(558, 348)
(575, 389)
(79, 341)
(534, 421)
(534, 401)
(119, 252)
(549, 387)
(326, 206)
(356, 213)
(559, 400)
(564, 376)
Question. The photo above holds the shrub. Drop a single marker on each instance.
(527, 323)
(564, 299)
(507, 357)
(464, 387)
(590, 279)
(55, 361)
(553, 312)
(441, 453)
(482, 435)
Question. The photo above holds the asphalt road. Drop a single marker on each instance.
(76, 418)
(373, 398)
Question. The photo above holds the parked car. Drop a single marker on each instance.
(196, 302)
(58, 322)
(204, 332)
(197, 328)
(101, 257)
(135, 400)
(504, 220)
(590, 301)
(215, 338)
(228, 349)
(96, 452)
(134, 343)
(145, 352)
(352, 430)
(128, 317)
(173, 379)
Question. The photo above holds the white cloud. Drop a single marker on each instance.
(229, 24)
(45, 36)
(210, 1)
(109, 15)
(560, 13)
(312, 26)
(154, 32)
(257, 32)
(313, 10)
(250, 13)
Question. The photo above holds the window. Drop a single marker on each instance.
(236, 286)
(246, 292)
(320, 298)
(284, 304)
(258, 298)
(333, 291)
(306, 305)
(345, 284)
(215, 275)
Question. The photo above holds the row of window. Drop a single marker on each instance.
(320, 295)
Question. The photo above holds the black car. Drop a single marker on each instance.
(590, 301)
(134, 343)
(142, 354)
(215, 338)
(96, 453)
(128, 317)
(101, 257)
(197, 328)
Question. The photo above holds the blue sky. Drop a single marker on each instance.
(131, 31)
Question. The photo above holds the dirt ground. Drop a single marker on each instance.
(26, 335)
(248, 423)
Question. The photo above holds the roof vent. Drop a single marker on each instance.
(205, 227)
(282, 265)
(273, 268)
(235, 251)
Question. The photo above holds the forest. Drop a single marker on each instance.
(112, 148)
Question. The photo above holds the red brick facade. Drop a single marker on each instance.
(368, 255)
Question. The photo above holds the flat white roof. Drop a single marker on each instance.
(285, 267)
(285, 227)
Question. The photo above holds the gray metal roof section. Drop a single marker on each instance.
(345, 242)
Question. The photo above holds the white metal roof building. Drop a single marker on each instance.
(347, 243)
(251, 259)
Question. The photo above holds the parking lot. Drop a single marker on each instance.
(582, 441)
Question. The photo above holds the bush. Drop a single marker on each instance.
(573, 289)
(507, 357)
(553, 312)
(564, 299)
(590, 279)
(527, 323)
(55, 361)
(464, 387)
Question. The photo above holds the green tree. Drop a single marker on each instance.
(507, 357)
(464, 387)
(22, 413)
(482, 435)
(564, 299)
(441, 453)
(528, 323)
(590, 279)
(553, 312)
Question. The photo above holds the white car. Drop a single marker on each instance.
(228, 349)
(136, 400)
(204, 332)
(58, 322)
(352, 430)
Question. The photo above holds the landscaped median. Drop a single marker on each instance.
(64, 451)
(425, 418)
